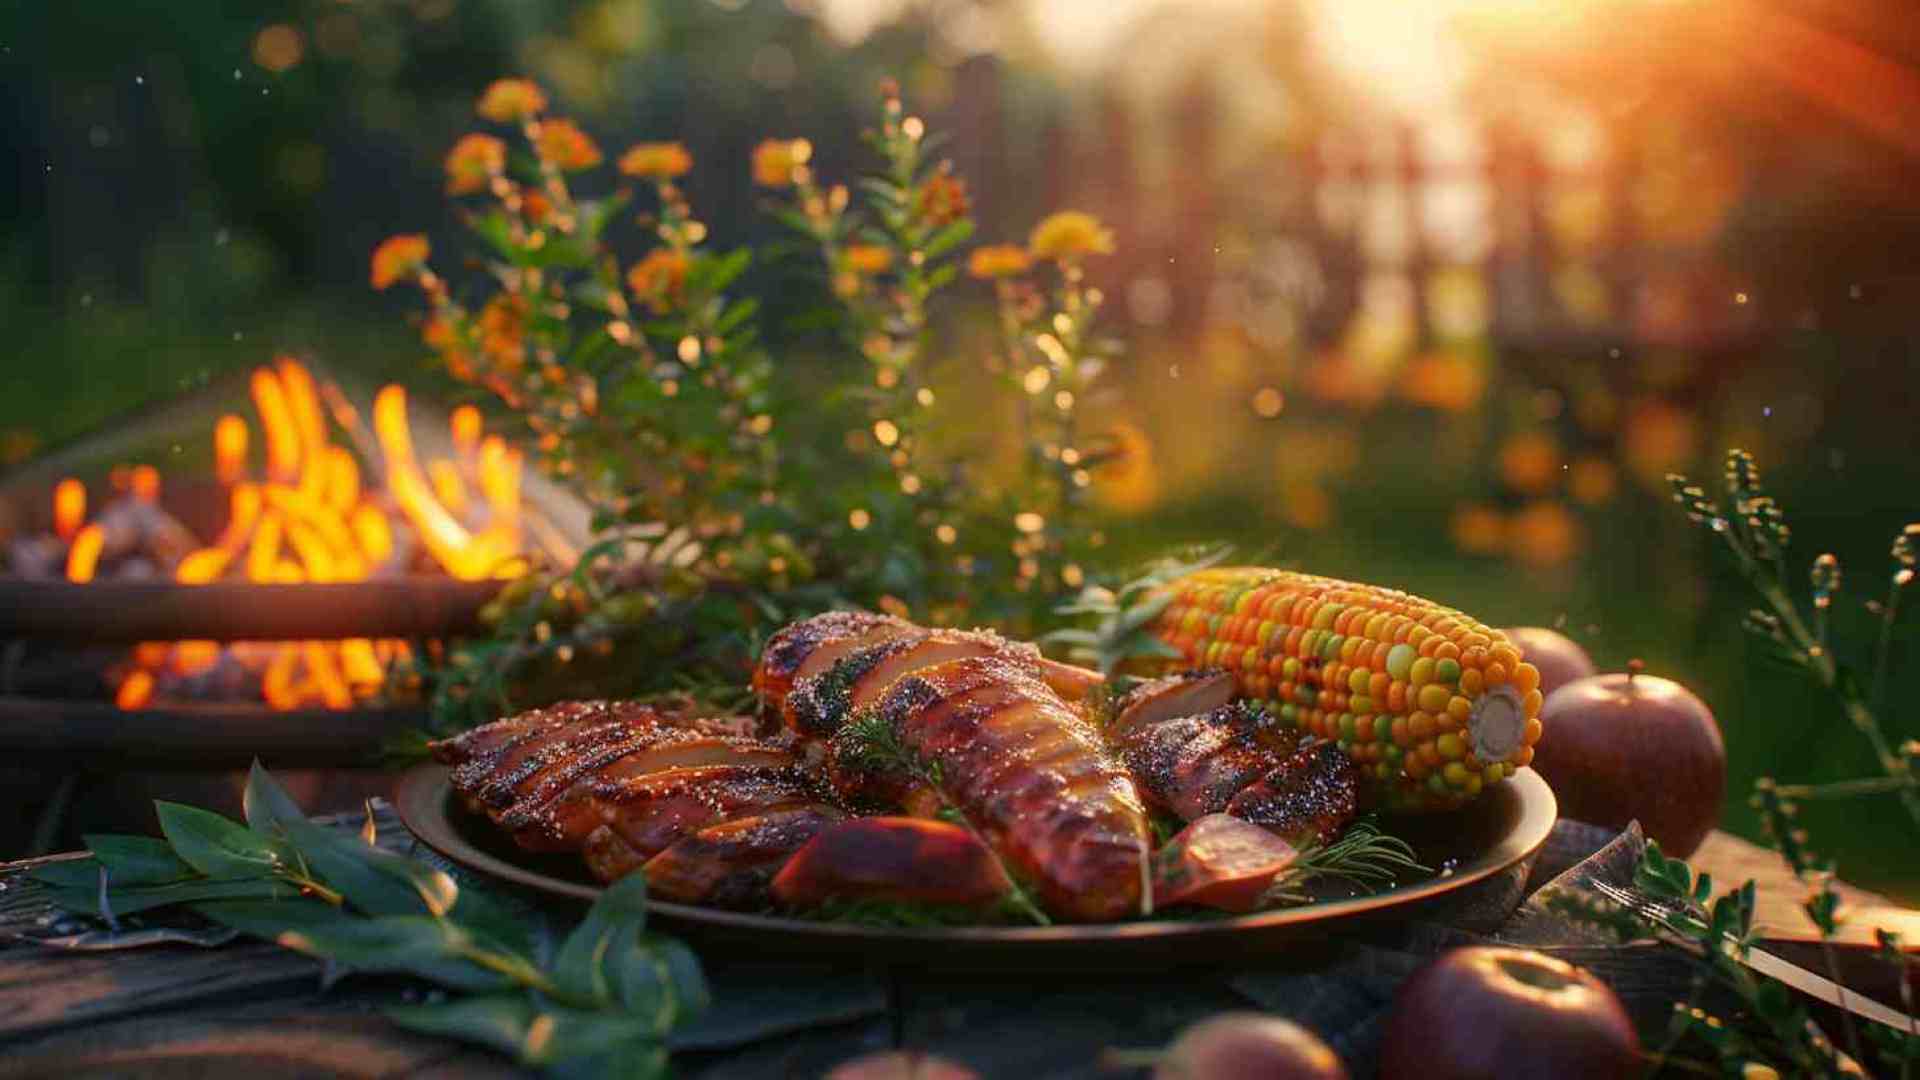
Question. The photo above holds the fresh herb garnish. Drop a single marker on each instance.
(1363, 856)
(603, 1002)
(870, 743)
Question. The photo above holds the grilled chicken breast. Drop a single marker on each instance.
(1029, 772)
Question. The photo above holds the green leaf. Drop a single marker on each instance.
(137, 860)
(68, 874)
(375, 881)
(265, 802)
(713, 274)
(213, 845)
(432, 949)
(86, 899)
(949, 238)
(498, 1021)
(612, 926)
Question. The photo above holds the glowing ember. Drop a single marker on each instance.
(312, 518)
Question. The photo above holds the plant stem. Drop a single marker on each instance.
(1846, 789)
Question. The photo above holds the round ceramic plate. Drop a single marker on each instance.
(1498, 832)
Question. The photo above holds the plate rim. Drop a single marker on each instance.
(424, 794)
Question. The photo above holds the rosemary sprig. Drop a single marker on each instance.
(1363, 856)
(870, 743)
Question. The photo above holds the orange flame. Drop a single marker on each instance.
(466, 424)
(69, 507)
(145, 481)
(276, 415)
(83, 558)
(230, 438)
(313, 521)
(135, 691)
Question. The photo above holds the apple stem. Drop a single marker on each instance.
(1635, 667)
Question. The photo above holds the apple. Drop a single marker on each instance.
(1485, 1011)
(901, 1065)
(1248, 1046)
(1559, 658)
(1627, 747)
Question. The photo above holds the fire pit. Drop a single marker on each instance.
(268, 603)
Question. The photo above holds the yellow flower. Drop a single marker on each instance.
(998, 261)
(868, 258)
(473, 161)
(398, 257)
(942, 199)
(775, 160)
(1069, 235)
(1129, 479)
(660, 279)
(656, 161)
(509, 100)
(565, 145)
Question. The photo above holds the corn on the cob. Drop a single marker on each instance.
(1431, 704)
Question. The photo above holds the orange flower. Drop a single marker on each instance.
(473, 161)
(656, 161)
(1544, 535)
(509, 100)
(942, 199)
(398, 257)
(1478, 530)
(503, 330)
(775, 161)
(536, 208)
(1530, 463)
(868, 258)
(1070, 235)
(998, 261)
(1592, 480)
(660, 279)
(565, 145)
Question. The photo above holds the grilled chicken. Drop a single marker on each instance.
(1235, 759)
(1309, 799)
(811, 646)
(1194, 765)
(1188, 693)
(809, 669)
(553, 777)
(731, 864)
(645, 815)
(1029, 773)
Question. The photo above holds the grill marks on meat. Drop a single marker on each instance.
(1031, 775)
(1310, 798)
(811, 646)
(644, 815)
(622, 783)
(731, 864)
(563, 822)
(1194, 765)
(1233, 759)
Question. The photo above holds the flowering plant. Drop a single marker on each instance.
(642, 382)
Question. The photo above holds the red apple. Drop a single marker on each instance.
(1248, 1046)
(1559, 658)
(1483, 1012)
(1620, 748)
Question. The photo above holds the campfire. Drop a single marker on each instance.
(327, 500)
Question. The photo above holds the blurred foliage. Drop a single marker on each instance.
(191, 187)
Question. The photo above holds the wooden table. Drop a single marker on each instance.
(253, 1009)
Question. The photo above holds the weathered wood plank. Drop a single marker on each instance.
(306, 1036)
(43, 990)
